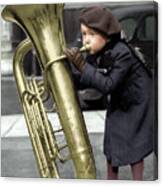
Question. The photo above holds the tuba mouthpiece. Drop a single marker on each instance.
(84, 48)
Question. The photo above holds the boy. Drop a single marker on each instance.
(114, 69)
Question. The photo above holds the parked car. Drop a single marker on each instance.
(140, 25)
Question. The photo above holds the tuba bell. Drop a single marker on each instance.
(43, 25)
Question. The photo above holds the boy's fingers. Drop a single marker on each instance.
(72, 54)
(78, 57)
(68, 53)
(75, 50)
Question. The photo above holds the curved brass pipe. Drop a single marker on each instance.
(26, 92)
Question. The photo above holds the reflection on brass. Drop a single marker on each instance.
(44, 27)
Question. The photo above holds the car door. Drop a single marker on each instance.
(145, 37)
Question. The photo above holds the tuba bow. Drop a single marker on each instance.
(43, 25)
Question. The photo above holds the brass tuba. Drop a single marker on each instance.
(43, 25)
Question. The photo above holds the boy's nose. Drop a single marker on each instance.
(87, 40)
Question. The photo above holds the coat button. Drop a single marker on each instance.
(116, 160)
(108, 98)
(109, 68)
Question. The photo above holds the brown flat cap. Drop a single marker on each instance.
(100, 19)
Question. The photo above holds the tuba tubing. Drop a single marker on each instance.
(44, 26)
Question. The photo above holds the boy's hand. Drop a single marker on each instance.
(75, 57)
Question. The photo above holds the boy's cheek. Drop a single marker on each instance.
(91, 51)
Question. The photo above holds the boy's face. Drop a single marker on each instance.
(92, 38)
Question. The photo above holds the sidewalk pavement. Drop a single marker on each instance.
(17, 158)
(15, 126)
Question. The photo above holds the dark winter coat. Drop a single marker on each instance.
(128, 135)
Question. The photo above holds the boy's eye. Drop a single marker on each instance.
(83, 33)
(92, 33)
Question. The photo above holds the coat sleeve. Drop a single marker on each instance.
(76, 75)
(108, 83)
